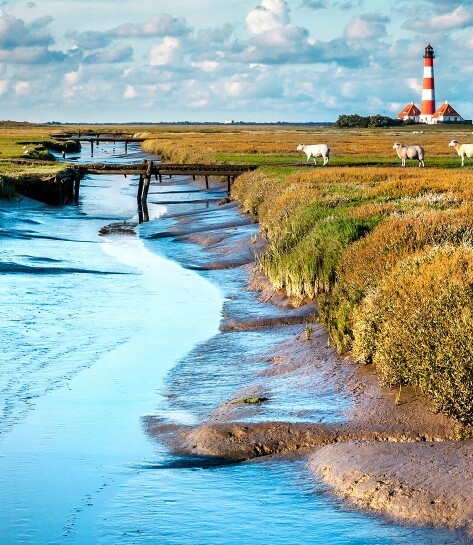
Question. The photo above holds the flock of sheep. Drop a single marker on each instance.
(403, 152)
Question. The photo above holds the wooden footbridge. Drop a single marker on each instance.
(96, 140)
(64, 187)
(149, 169)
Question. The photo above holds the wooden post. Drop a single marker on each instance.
(228, 184)
(147, 181)
(145, 210)
(206, 181)
(126, 147)
(91, 148)
(140, 189)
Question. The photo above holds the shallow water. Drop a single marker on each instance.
(98, 332)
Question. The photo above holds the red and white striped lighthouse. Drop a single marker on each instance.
(427, 109)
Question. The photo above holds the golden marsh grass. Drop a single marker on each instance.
(387, 251)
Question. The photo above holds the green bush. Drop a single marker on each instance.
(38, 152)
(304, 262)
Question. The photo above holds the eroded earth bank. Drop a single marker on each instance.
(381, 450)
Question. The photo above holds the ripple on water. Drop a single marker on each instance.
(262, 502)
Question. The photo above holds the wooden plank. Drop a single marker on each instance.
(160, 169)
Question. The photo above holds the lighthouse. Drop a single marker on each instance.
(427, 109)
(427, 112)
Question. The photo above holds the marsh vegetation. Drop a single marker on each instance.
(387, 251)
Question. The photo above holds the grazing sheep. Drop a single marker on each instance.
(409, 152)
(316, 150)
(463, 150)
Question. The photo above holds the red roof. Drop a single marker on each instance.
(446, 111)
(411, 110)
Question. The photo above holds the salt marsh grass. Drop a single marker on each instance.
(387, 251)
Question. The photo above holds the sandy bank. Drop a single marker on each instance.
(428, 483)
(386, 452)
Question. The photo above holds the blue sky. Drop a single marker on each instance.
(102, 61)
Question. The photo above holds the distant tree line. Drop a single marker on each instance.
(358, 121)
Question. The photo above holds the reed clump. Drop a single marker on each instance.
(388, 253)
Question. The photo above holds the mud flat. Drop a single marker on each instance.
(384, 451)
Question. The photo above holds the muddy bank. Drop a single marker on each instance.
(386, 451)
(427, 483)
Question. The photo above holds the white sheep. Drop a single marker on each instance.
(463, 150)
(409, 152)
(316, 150)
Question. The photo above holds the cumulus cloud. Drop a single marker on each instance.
(366, 27)
(414, 85)
(160, 25)
(165, 53)
(90, 39)
(459, 18)
(15, 32)
(73, 78)
(274, 39)
(130, 92)
(257, 83)
(269, 15)
(30, 55)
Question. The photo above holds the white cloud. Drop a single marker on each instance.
(414, 85)
(269, 15)
(206, 66)
(365, 27)
(15, 32)
(457, 19)
(130, 92)
(73, 78)
(3, 86)
(166, 52)
(22, 88)
(159, 25)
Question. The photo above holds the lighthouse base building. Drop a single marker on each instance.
(445, 114)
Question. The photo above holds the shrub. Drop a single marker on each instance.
(39, 152)
(416, 327)
(367, 261)
(306, 265)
